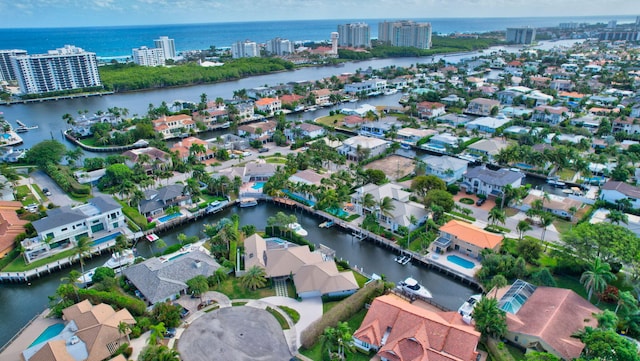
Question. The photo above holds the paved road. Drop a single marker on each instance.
(58, 196)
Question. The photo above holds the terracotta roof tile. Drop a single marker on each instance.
(471, 234)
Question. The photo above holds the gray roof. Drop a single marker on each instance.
(64, 215)
(500, 177)
(159, 198)
(159, 279)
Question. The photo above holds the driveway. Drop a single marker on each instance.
(58, 196)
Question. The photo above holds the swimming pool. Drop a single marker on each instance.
(435, 145)
(49, 333)
(338, 212)
(257, 185)
(169, 217)
(460, 261)
(106, 238)
(523, 166)
(6, 136)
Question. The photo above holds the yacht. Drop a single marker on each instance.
(555, 182)
(248, 202)
(412, 287)
(403, 259)
(215, 206)
(297, 228)
(467, 308)
(117, 262)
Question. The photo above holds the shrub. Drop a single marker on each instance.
(342, 311)
(466, 201)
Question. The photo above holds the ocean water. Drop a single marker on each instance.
(113, 42)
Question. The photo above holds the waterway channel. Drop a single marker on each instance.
(20, 302)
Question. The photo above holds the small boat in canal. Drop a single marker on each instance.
(297, 228)
(556, 182)
(403, 259)
(327, 224)
(413, 288)
(248, 202)
(467, 308)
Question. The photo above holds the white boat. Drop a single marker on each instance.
(412, 287)
(403, 259)
(117, 262)
(326, 224)
(467, 308)
(215, 206)
(390, 91)
(296, 227)
(120, 260)
(152, 237)
(555, 182)
(248, 202)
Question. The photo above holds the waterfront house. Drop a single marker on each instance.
(379, 128)
(157, 200)
(258, 172)
(404, 208)
(291, 100)
(183, 149)
(353, 121)
(487, 148)
(261, 131)
(428, 110)
(412, 135)
(402, 331)
(269, 106)
(157, 159)
(303, 130)
(482, 180)
(549, 114)
(449, 169)
(481, 106)
(174, 125)
(454, 119)
(614, 191)
(64, 226)
(465, 238)
(361, 111)
(212, 116)
(161, 279)
(487, 124)
(245, 111)
(312, 275)
(305, 181)
(261, 92)
(360, 147)
(91, 333)
(560, 206)
(322, 96)
(10, 225)
(546, 318)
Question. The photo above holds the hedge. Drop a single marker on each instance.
(342, 311)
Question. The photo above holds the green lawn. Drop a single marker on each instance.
(18, 264)
(326, 306)
(566, 174)
(276, 160)
(315, 353)
(573, 283)
(281, 320)
(331, 121)
(360, 279)
(24, 194)
(562, 226)
(234, 290)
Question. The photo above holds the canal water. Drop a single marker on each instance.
(20, 302)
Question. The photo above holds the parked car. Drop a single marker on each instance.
(263, 150)
(184, 312)
(46, 191)
(171, 332)
(480, 201)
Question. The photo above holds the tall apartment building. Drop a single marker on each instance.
(148, 57)
(405, 33)
(6, 69)
(279, 46)
(245, 49)
(524, 35)
(167, 45)
(357, 35)
(61, 69)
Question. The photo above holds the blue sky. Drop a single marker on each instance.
(71, 13)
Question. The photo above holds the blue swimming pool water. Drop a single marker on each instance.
(106, 238)
(50, 332)
(437, 146)
(460, 261)
(523, 165)
(177, 256)
(169, 217)
(6, 136)
(257, 185)
(338, 212)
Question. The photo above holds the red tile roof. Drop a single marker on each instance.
(415, 333)
(471, 234)
(10, 225)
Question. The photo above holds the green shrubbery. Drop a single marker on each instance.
(66, 181)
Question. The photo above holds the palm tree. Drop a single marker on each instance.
(545, 221)
(523, 226)
(157, 333)
(497, 215)
(413, 221)
(254, 278)
(72, 279)
(596, 277)
(385, 206)
(368, 202)
(220, 275)
(490, 320)
(617, 217)
(498, 282)
(82, 250)
(627, 303)
(123, 329)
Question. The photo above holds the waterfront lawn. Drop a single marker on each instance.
(276, 160)
(19, 265)
(331, 121)
(234, 290)
(360, 278)
(134, 215)
(315, 353)
(566, 174)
